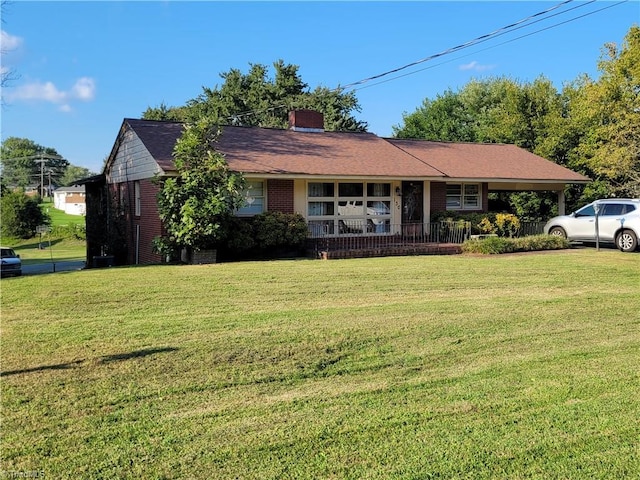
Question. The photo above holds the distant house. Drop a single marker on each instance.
(70, 199)
(342, 183)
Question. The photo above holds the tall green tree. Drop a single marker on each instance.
(609, 112)
(20, 215)
(257, 99)
(195, 203)
(164, 113)
(443, 119)
(21, 162)
(591, 126)
(73, 173)
(497, 110)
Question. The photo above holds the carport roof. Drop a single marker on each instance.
(487, 161)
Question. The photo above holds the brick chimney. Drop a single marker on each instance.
(306, 121)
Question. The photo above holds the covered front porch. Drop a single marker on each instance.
(395, 218)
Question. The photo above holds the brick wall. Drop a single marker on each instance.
(143, 228)
(485, 197)
(75, 198)
(438, 197)
(149, 222)
(204, 257)
(280, 196)
(306, 119)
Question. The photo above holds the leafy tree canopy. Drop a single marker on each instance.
(609, 113)
(497, 110)
(591, 126)
(21, 215)
(73, 173)
(20, 162)
(256, 99)
(194, 204)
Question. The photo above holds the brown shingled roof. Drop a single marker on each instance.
(274, 151)
(159, 138)
(486, 161)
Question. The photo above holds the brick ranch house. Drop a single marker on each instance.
(342, 183)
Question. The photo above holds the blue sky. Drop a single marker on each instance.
(82, 67)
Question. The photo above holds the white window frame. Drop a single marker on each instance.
(349, 215)
(253, 196)
(463, 196)
(136, 195)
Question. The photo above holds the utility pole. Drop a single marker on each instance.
(41, 161)
(41, 158)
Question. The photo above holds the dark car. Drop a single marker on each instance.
(10, 265)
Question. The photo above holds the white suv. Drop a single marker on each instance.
(618, 222)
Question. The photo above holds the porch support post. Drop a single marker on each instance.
(426, 202)
(561, 205)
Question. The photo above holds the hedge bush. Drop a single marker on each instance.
(497, 245)
(267, 235)
(72, 231)
(475, 219)
(279, 230)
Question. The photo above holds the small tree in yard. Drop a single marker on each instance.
(194, 204)
(21, 215)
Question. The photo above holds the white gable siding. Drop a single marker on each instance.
(59, 200)
(133, 161)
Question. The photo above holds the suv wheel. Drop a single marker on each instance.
(558, 232)
(627, 241)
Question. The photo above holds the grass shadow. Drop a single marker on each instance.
(60, 366)
(36, 244)
(104, 359)
(135, 354)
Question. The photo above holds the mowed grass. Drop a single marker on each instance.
(60, 217)
(51, 250)
(515, 366)
(49, 247)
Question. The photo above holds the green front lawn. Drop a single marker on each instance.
(59, 250)
(53, 247)
(510, 366)
(59, 217)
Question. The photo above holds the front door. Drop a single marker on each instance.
(412, 207)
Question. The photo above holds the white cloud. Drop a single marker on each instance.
(9, 42)
(38, 91)
(84, 89)
(476, 67)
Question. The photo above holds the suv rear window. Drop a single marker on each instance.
(614, 209)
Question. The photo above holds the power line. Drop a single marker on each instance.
(525, 22)
(502, 43)
(475, 41)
